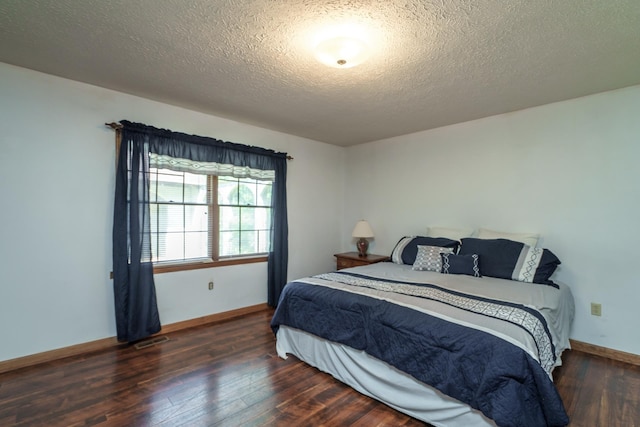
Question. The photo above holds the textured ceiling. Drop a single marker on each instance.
(433, 63)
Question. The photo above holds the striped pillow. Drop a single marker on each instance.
(406, 249)
(508, 259)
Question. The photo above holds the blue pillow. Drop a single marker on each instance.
(507, 259)
(460, 264)
(406, 249)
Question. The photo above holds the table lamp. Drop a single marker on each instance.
(362, 231)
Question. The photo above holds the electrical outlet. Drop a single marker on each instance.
(596, 309)
(211, 285)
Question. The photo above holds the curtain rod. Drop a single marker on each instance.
(114, 125)
(118, 126)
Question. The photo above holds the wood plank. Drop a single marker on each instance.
(598, 391)
(105, 343)
(609, 353)
(228, 374)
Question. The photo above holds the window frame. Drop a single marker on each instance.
(191, 265)
(214, 236)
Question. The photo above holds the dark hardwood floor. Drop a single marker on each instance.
(228, 374)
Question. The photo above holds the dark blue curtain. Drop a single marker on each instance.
(134, 290)
(137, 297)
(279, 253)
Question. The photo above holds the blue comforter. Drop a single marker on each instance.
(484, 371)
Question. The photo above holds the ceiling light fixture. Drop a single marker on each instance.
(342, 52)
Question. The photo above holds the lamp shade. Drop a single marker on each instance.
(362, 230)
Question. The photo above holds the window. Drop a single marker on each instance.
(198, 218)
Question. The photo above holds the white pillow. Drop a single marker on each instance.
(449, 233)
(530, 239)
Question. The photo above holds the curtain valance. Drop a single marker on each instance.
(204, 149)
(162, 161)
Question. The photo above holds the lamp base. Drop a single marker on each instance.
(362, 245)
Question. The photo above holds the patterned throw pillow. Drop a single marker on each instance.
(428, 258)
(460, 264)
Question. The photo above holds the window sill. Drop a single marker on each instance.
(168, 268)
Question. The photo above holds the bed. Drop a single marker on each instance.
(457, 349)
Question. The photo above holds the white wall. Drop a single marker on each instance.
(56, 192)
(568, 171)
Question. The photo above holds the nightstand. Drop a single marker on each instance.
(352, 259)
